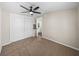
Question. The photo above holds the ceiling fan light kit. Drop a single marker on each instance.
(31, 13)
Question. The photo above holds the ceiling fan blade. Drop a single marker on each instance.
(36, 8)
(37, 12)
(24, 7)
(23, 12)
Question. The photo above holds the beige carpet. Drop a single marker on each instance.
(37, 47)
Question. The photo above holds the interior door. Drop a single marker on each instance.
(16, 27)
(20, 27)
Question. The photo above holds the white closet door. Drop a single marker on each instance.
(16, 27)
(20, 27)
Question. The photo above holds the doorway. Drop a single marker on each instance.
(39, 27)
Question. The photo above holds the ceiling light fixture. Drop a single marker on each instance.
(31, 13)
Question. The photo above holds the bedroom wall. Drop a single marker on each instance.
(5, 27)
(78, 26)
(62, 27)
(0, 32)
(15, 27)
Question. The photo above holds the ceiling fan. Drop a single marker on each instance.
(31, 10)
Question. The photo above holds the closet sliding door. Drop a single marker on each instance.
(16, 27)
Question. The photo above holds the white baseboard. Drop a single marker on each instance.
(14, 41)
(62, 43)
(6, 43)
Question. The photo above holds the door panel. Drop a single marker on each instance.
(16, 27)
(20, 27)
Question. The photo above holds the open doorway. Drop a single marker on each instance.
(39, 27)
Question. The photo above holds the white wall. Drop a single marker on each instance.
(0, 32)
(61, 26)
(5, 27)
(78, 26)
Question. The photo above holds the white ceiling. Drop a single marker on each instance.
(45, 7)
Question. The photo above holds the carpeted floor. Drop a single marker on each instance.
(37, 47)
